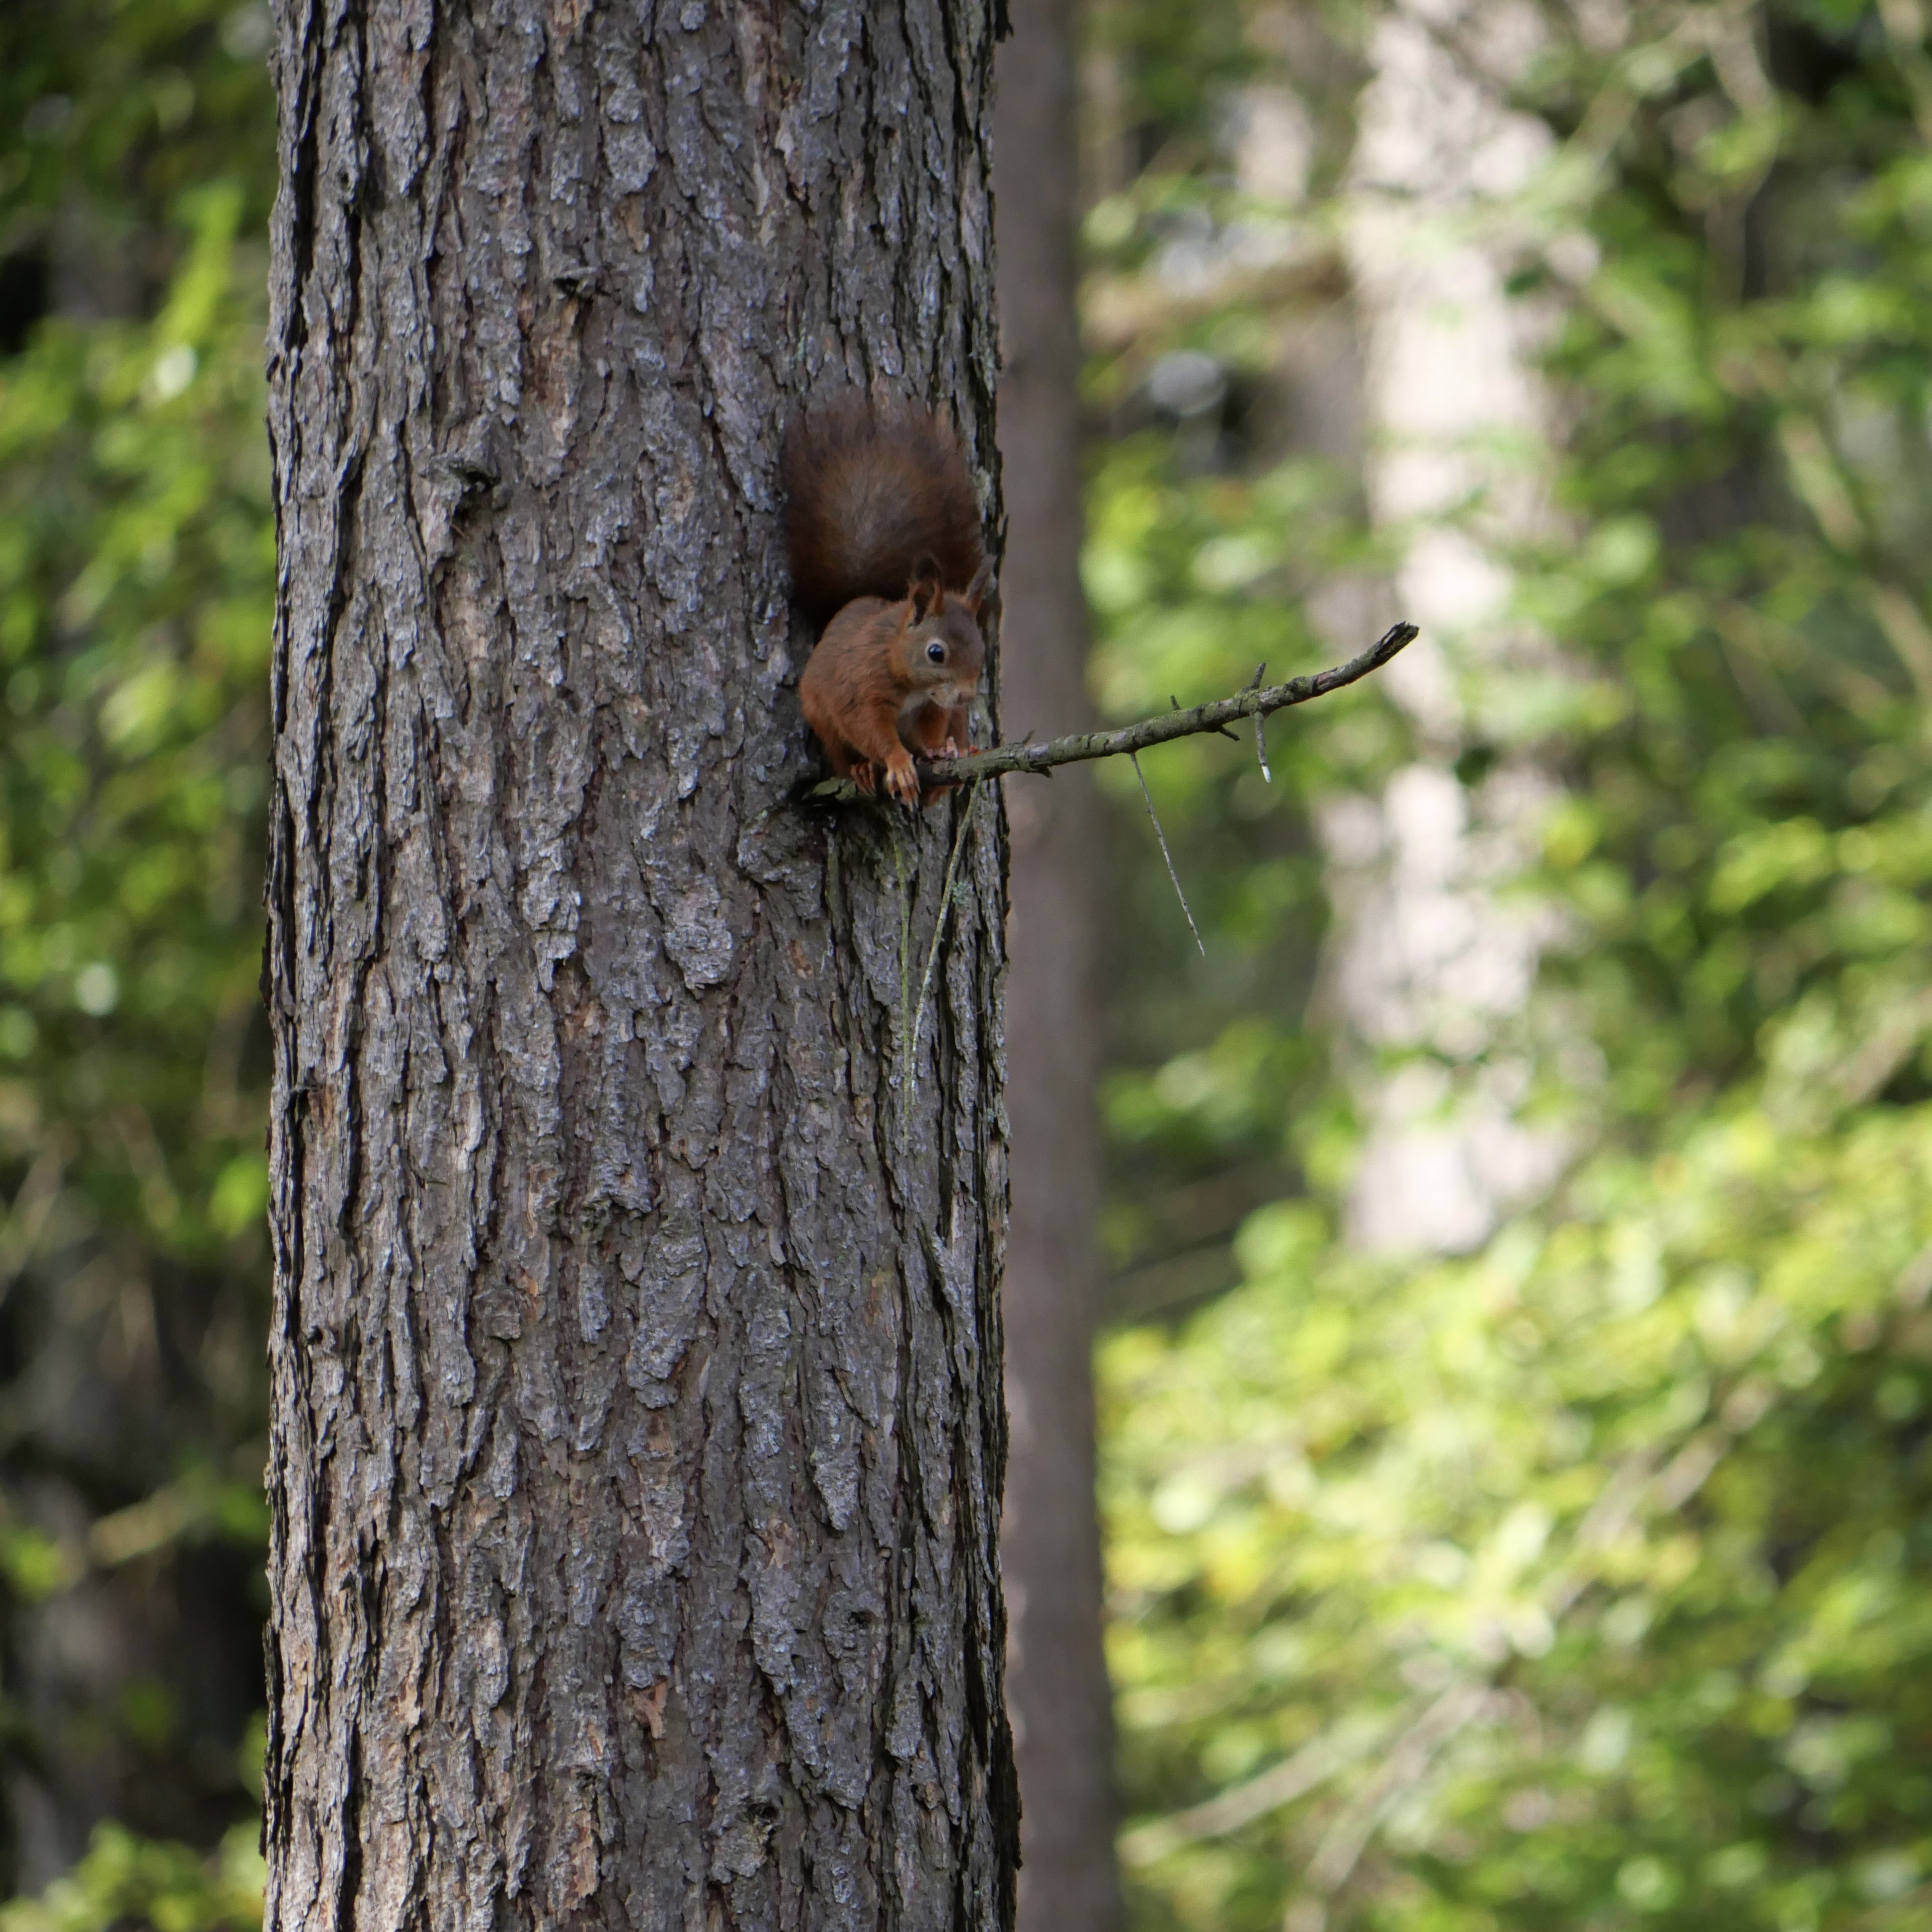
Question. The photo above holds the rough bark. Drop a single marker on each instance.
(1061, 1702)
(637, 1444)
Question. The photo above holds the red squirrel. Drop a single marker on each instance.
(884, 535)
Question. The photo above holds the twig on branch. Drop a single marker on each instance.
(932, 956)
(1080, 745)
(1277, 1787)
(1167, 855)
(1406, 1766)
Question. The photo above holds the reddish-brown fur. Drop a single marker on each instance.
(884, 536)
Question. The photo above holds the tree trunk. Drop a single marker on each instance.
(638, 1205)
(1435, 946)
(1062, 1704)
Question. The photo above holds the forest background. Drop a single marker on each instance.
(1514, 1440)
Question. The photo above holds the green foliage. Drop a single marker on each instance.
(135, 568)
(1755, 467)
(112, 110)
(126, 1884)
(1582, 1582)
(137, 574)
(1600, 1564)
(1167, 64)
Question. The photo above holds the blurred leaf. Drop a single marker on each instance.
(131, 1884)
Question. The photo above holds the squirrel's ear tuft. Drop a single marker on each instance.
(983, 590)
(927, 592)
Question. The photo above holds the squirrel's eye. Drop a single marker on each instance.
(936, 652)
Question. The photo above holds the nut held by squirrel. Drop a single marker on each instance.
(883, 532)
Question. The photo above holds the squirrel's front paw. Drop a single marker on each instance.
(864, 777)
(902, 780)
(950, 749)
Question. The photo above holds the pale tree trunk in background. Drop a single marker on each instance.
(636, 1439)
(1432, 957)
(1062, 1715)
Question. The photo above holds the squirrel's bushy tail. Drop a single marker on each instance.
(872, 488)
